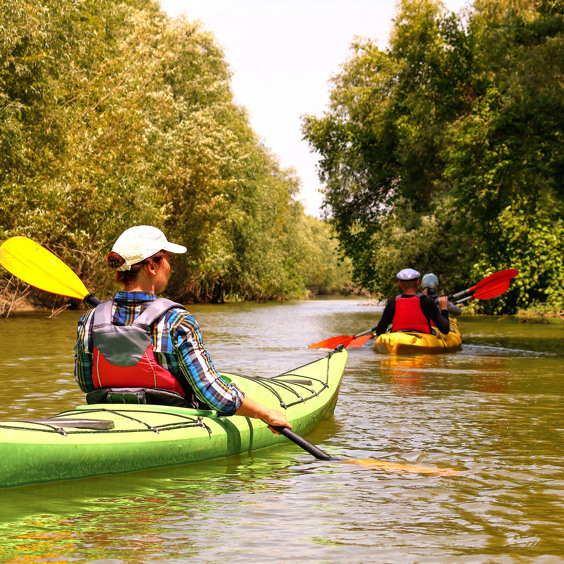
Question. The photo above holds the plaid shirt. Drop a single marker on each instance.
(178, 347)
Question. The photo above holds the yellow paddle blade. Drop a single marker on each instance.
(32, 263)
(397, 467)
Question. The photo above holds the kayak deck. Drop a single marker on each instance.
(406, 342)
(112, 438)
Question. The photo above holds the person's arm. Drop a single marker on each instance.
(83, 353)
(439, 315)
(252, 408)
(197, 369)
(387, 318)
(208, 385)
(453, 309)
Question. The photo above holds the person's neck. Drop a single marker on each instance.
(135, 289)
(140, 284)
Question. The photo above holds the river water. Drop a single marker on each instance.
(493, 410)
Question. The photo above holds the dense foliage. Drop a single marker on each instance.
(113, 114)
(444, 152)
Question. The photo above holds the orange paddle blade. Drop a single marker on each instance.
(398, 467)
(487, 283)
(496, 277)
(333, 342)
(493, 290)
(359, 341)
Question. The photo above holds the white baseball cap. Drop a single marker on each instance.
(408, 274)
(140, 242)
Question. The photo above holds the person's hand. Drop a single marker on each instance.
(443, 302)
(252, 408)
(277, 418)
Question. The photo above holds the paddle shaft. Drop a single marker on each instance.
(301, 442)
(368, 463)
(460, 294)
(371, 330)
(92, 300)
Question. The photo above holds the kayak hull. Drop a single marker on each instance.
(409, 342)
(114, 438)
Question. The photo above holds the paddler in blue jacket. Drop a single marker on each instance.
(411, 311)
(143, 349)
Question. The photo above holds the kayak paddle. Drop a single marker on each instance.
(490, 287)
(35, 265)
(366, 463)
(345, 340)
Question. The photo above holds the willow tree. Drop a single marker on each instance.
(381, 145)
(114, 114)
(506, 157)
(78, 170)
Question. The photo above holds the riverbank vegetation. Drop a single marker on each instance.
(113, 114)
(444, 151)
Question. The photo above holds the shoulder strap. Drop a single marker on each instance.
(102, 314)
(155, 310)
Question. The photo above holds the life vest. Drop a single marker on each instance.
(123, 354)
(409, 316)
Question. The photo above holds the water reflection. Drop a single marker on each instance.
(407, 373)
(494, 410)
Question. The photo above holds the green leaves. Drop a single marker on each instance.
(112, 115)
(430, 147)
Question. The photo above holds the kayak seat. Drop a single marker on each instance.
(151, 396)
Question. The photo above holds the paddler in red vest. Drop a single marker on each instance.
(411, 311)
(138, 348)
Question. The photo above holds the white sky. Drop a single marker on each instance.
(282, 54)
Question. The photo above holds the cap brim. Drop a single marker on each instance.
(174, 248)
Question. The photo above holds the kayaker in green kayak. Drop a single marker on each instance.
(411, 311)
(138, 348)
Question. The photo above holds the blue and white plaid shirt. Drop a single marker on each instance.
(178, 347)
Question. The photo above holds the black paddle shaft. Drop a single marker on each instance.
(92, 300)
(301, 442)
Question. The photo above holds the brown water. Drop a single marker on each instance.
(493, 410)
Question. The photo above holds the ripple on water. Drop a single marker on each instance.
(493, 410)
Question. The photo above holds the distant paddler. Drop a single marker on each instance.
(429, 285)
(411, 311)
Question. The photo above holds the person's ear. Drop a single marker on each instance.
(151, 268)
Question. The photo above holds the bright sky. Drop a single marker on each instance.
(282, 54)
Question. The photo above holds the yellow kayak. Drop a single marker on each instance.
(402, 342)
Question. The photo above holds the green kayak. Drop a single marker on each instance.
(113, 438)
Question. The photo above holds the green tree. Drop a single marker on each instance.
(431, 145)
(113, 114)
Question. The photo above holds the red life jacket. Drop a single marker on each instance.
(409, 316)
(123, 354)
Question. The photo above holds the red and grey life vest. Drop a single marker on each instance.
(123, 354)
(409, 316)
